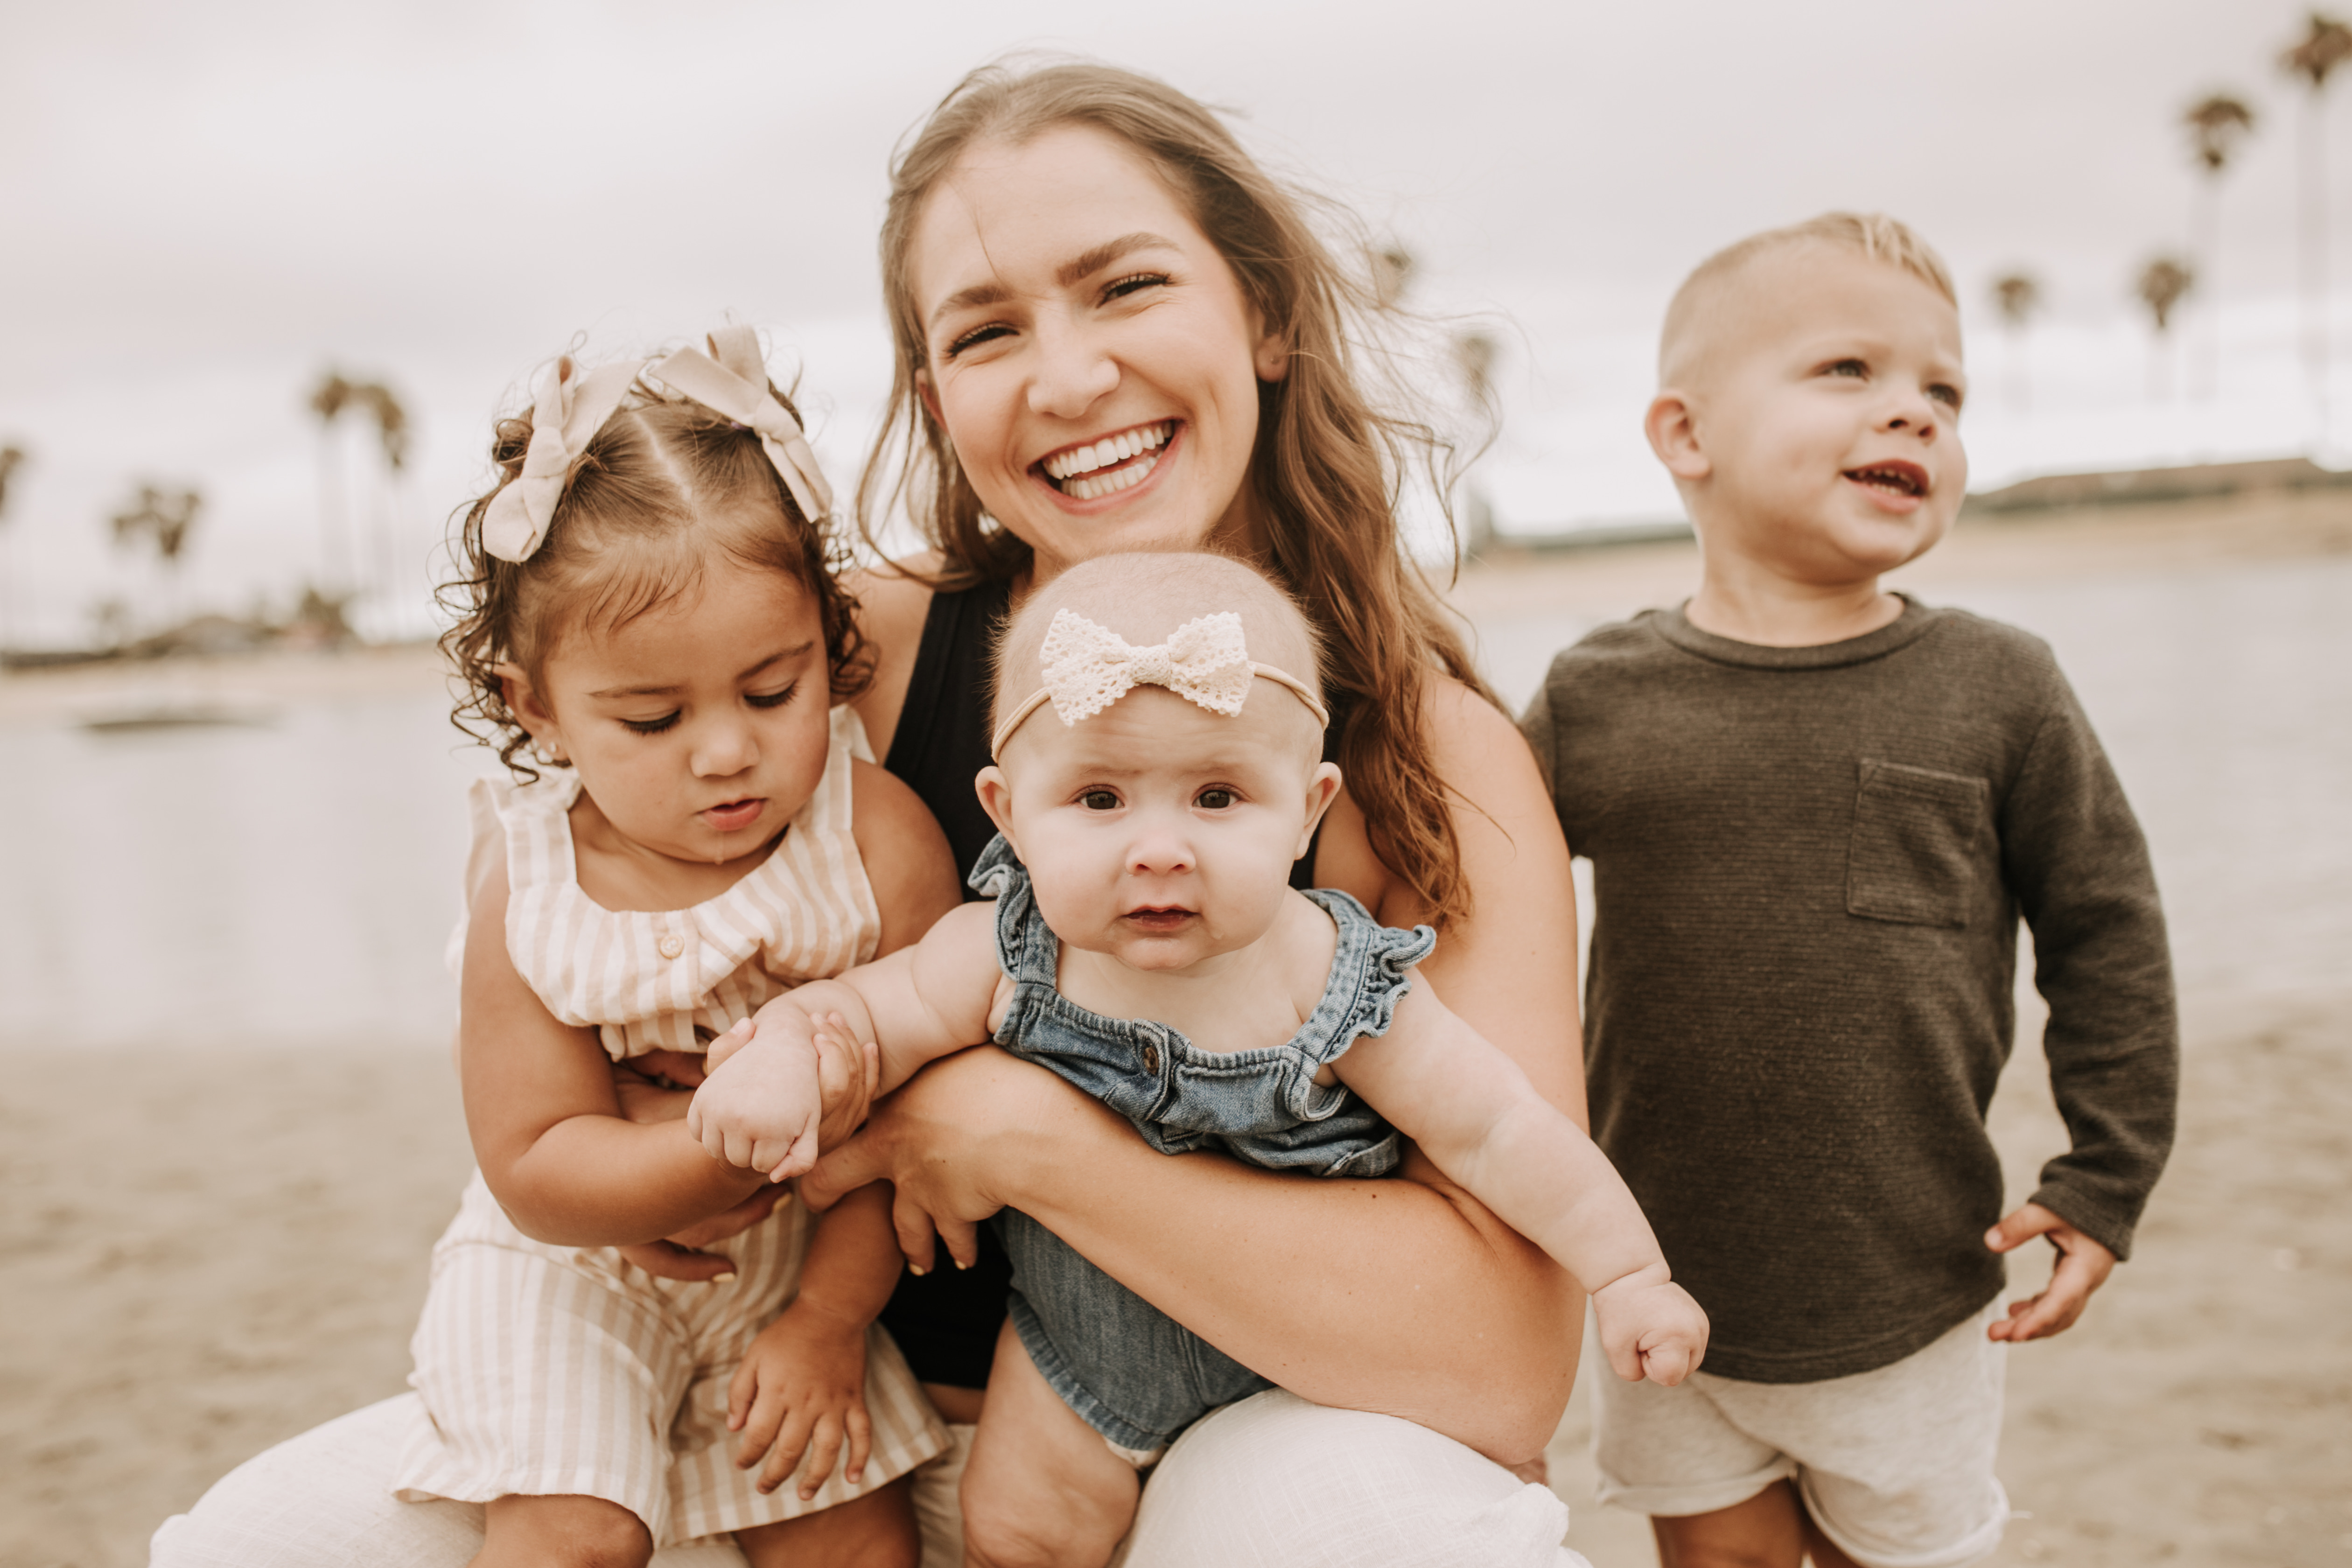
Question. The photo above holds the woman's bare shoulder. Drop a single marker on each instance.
(908, 862)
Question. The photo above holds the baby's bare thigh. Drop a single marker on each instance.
(1041, 1484)
(531, 1531)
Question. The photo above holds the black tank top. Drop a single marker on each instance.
(946, 1321)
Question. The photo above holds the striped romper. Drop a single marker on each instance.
(559, 1370)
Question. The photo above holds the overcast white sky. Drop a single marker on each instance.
(201, 207)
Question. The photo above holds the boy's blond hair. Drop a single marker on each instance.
(1874, 236)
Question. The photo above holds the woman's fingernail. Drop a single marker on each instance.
(726, 1279)
(918, 1273)
(960, 1263)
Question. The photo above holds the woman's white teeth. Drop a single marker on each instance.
(1110, 484)
(1109, 450)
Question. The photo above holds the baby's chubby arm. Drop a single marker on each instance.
(1474, 1112)
(759, 1107)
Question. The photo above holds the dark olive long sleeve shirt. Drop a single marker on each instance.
(1811, 863)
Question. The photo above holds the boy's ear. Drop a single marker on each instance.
(1674, 436)
(1321, 791)
(996, 799)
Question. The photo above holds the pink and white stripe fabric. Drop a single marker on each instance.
(672, 980)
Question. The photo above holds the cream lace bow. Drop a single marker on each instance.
(574, 404)
(1204, 661)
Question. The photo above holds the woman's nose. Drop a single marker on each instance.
(1073, 372)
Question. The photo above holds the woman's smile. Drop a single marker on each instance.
(1088, 470)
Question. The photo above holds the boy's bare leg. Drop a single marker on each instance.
(563, 1532)
(877, 1530)
(1771, 1530)
(1042, 1489)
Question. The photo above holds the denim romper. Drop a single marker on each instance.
(1131, 1372)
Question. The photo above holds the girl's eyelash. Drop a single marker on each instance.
(772, 698)
(651, 726)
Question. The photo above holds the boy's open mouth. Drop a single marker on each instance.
(1108, 465)
(1896, 478)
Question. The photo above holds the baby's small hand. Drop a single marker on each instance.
(1650, 1327)
(759, 1107)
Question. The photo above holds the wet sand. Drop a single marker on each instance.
(203, 1252)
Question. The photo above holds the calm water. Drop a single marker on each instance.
(296, 882)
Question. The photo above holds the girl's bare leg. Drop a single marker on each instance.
(563, 1532)
(1042, 1489)
(877, 1530)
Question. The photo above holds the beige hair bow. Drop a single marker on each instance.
(1206, 662)
(573, 406)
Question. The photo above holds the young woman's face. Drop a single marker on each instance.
(700, 727)
(1087, 351)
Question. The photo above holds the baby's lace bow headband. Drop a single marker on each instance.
(1206, 662)
(573, 406)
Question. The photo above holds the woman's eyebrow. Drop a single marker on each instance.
(1084, 265)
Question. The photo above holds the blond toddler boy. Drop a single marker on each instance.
(1816, 811)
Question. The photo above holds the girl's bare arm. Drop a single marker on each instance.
(546, 1120)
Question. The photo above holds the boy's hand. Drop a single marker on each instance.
(801, 1391)
(1650, 1327)
(2083, 1265)
(761, 1105)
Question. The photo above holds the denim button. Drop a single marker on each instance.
(1152, 1058)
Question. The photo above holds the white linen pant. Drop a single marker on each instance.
(1271, 1482)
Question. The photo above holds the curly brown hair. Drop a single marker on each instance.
(1329, 461)
(664, 485)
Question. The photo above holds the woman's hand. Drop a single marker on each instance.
(954, 1140)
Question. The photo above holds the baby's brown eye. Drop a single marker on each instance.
(1099, 800)
(1213, 799)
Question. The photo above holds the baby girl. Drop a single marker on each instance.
(1145, 943)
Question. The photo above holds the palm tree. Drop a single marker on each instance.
(2326, 44)
(328, 401)
(1474, 354)
(392, 441)
(12, 458)
(2164, 282)
(167, 518)
(2017, 296)
(2216, 125)
(1392, 268)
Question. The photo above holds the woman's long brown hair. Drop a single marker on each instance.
(1328, 468)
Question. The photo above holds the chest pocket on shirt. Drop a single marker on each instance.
(1917, 838)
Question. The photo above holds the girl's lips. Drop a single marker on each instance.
(735, 816)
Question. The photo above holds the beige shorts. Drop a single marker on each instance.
(549, 1371)
(1895, 1464)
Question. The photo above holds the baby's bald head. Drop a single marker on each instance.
(1730, 294)
(1144, 597)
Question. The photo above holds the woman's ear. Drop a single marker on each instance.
(1673, 431)
(996, 799)
(1272, 359)
(1321, 791)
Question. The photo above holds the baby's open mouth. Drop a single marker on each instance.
(1159, 920)
(1898, 478)
(1107, 466)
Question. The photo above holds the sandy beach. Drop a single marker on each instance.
(205, 1251)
